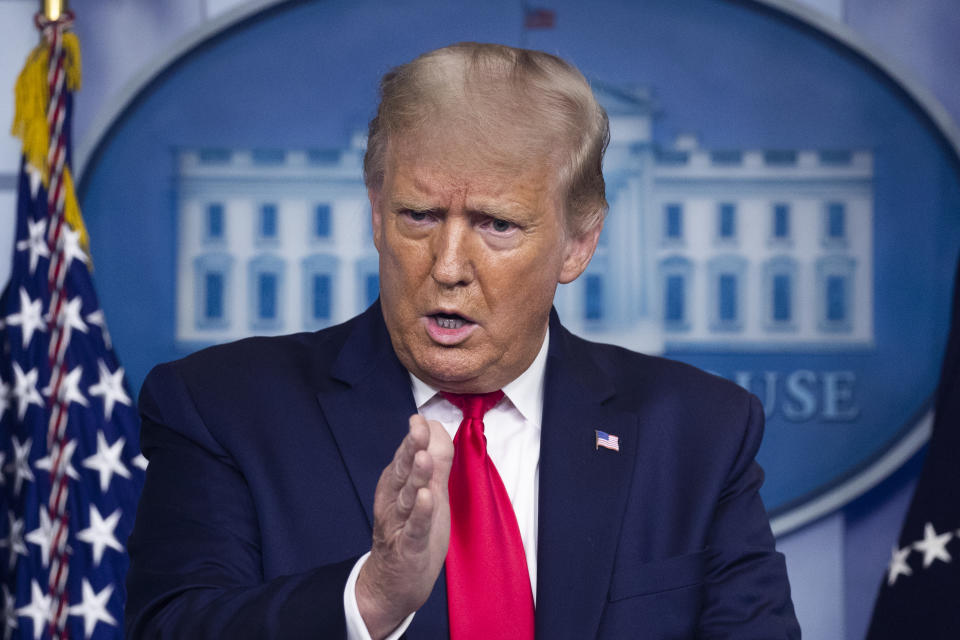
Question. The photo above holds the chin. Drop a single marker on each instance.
(447, 368)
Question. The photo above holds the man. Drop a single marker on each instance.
(297, 489)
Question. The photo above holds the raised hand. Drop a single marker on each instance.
(411, 529)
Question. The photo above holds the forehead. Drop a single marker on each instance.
(453, 162)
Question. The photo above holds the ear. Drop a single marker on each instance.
(578, 252)
(375, 217)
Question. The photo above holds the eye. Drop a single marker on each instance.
(500, 226)
(415, 216)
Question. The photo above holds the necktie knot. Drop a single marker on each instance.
(473, 405)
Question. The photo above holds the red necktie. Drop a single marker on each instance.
(488, 584)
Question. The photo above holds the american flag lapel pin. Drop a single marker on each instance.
(607, 440)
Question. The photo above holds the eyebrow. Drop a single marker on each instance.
(494, 210)
(411, 205)
(506, 212)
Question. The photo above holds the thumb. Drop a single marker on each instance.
(440, 449)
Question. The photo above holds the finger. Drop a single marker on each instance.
(417, 438)
(419, 476)
(417, 528)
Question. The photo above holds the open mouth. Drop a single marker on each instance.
(448, 328)
(449, 320)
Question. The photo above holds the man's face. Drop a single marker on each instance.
(471, 251)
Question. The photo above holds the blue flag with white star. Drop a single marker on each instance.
(921, 589)
(70, 467)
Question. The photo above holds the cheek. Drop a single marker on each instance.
(526, 288)
(403, 265)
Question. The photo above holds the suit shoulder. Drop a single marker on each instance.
(261, 356)
(222, 396)
(638, 375)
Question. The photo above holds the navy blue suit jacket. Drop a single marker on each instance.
(264, 455)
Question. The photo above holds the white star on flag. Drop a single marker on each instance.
(25, 389)
(36, 178)
(106, 460)
(21, 462)
(70, 243)
(9, 613)
(71, 318)
(38, 610)
(898, 565)
(69, 388)
(933, 546)
(110, 386)
(29, 318)
(100, 533)
(42, 536)
(93, 608)
(46, 463)
(36, 244)
(14, 540)
(98, 319)
(140, 462)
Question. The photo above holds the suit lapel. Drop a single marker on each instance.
(367, 410)
(583, 491)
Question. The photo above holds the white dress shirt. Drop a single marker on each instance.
(512, 428)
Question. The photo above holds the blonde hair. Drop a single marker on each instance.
(545, 100)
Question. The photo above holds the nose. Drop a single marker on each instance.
(452, 264)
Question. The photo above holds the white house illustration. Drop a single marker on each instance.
(751, 250)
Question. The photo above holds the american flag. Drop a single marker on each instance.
(607, 441)
(70, 468)
(539, 18)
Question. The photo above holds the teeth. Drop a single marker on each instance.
(450, 323)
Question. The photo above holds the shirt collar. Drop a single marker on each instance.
(525, 391)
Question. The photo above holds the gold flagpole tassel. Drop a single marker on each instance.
(32, 115)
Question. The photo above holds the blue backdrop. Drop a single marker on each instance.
(741, 75)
